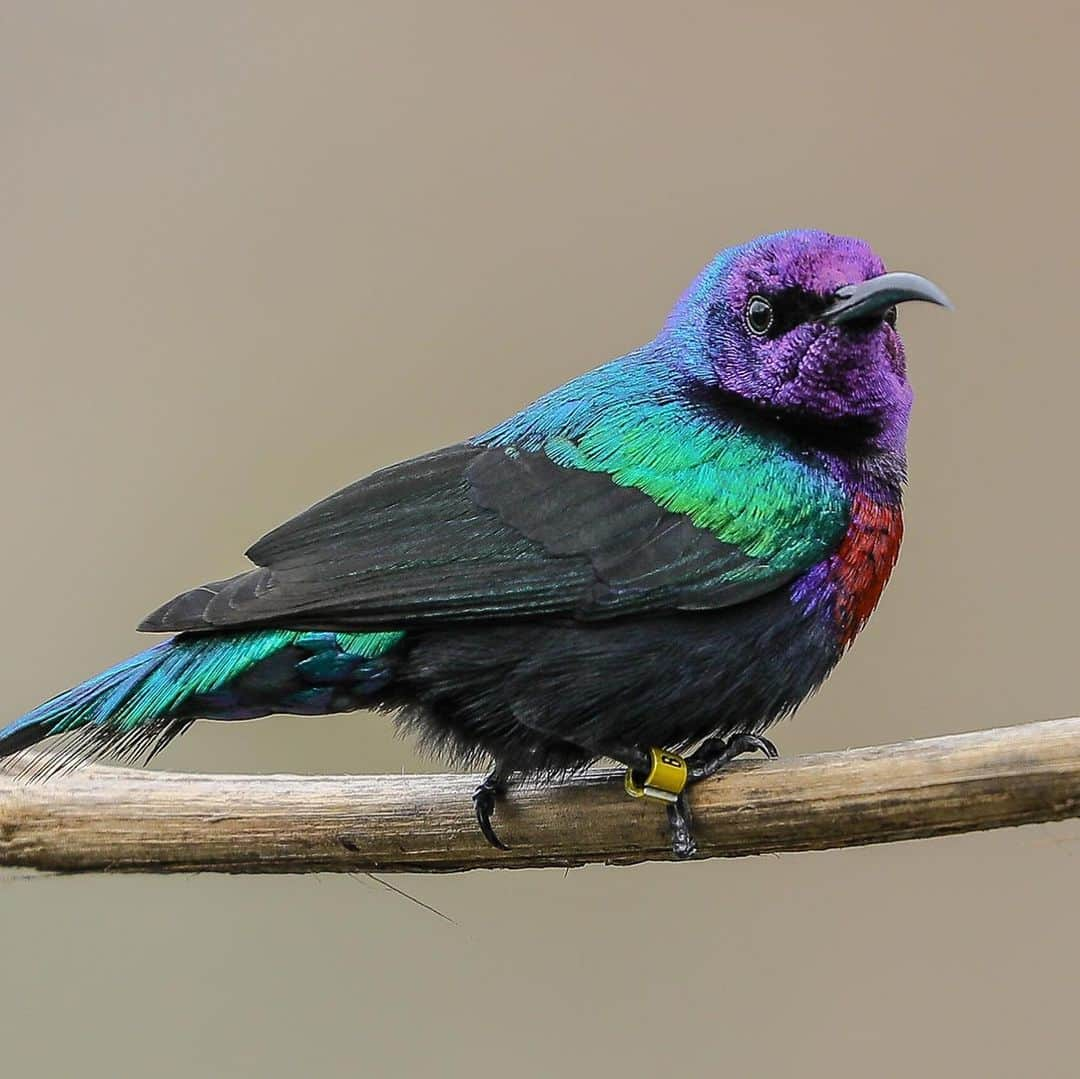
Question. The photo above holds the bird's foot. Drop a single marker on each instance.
(669, 775)
(710, 757)
(714, 753)
(484, 799)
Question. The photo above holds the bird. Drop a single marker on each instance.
(651, 564)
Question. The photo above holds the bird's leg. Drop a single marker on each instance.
(638, 762)
(710, 757)
(485, 798)
(662, 775)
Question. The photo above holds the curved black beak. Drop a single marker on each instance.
(874, 297)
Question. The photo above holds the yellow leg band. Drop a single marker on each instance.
(666, 778)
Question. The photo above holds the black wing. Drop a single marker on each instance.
(472, 532)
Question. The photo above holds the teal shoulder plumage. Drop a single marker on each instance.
(751, 491)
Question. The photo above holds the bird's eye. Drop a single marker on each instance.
(759, 315)
(890, 315)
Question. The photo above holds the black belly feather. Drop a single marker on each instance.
(554, 695)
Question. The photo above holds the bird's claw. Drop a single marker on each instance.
(714, 753)
(485, 798)
(750, 743)
(681, 826)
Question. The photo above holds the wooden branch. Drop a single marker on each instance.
(103, 819)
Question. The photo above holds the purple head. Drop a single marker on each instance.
(803, 325)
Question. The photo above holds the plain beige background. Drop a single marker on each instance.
(251, 251)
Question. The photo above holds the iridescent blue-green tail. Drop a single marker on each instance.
(131, 711)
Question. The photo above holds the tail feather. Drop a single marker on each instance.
(133, 710)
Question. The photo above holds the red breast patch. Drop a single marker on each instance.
(861, 567)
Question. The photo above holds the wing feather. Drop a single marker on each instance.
(476, 532)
